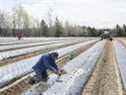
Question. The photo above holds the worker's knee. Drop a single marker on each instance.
(44, 76)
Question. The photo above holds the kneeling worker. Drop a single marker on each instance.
(46, 62)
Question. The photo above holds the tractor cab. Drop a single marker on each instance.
(106, 35)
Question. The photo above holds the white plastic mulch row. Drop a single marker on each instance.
(78, 72)
(17, 69)
(120, 52)
(63, 51)
(18, 52)
(14, 40)
(33, 41)
(26, 45)
(11, 42)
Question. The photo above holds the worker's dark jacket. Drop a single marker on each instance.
(44, 63)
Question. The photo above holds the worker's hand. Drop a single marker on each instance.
(56, 72)
(62, 71)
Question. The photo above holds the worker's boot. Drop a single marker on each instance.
(37, 89)
(41, 86)
(33, 80)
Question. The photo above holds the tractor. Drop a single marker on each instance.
(106, 35)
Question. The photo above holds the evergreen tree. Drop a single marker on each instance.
(124, 30)
(44, 28)
(119, 30)
(59, 28)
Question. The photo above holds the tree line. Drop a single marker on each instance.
(20, 21)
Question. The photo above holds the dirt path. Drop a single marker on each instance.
(105, 78)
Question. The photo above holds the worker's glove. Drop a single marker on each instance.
(62, 71)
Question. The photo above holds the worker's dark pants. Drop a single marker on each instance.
(41, 75)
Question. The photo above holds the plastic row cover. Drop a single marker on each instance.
(17, 69)
(14, 41)
(10, 41)
(12, 53)
(120, 51)
(63, 51)
(25, 45)
(78, 72)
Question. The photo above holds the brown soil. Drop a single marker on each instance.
(124, 93)
(105, 79)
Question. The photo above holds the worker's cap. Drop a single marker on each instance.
(54, 54)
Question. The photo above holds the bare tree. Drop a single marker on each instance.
(22, 21)
(21, 18)
(4, 24)
(59, 28)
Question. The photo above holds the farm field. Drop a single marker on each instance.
(93, 66)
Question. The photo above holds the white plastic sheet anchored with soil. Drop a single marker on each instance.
(14, 70)
(120, 51)
(78, 71)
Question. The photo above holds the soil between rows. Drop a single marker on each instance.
(104, 80)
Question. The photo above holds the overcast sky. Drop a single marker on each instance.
(98, 13)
